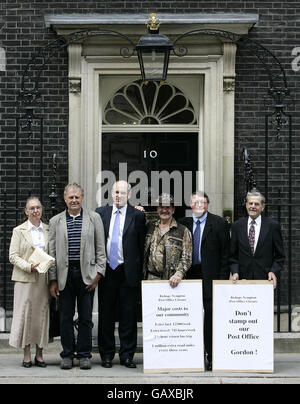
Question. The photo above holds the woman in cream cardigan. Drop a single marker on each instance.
(30, 323)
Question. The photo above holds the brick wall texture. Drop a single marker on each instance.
(23, 32)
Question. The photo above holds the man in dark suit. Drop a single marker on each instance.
(256, 243)
(211, 246)
(124, 229)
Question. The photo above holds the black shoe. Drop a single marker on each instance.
(209, 366)
(27, 364)
(128, 363)
(106, 363)
(40, 364)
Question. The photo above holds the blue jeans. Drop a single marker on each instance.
(75, 289)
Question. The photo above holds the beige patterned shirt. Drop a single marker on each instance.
(169, 254)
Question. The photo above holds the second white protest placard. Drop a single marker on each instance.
(243, 316)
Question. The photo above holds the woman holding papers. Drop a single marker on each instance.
(30, 323)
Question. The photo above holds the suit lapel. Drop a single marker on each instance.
(63, 226)
(26, 233)
(106, 220)
(207, 228)
(244, 239)
(85, 228)
(128, 218)
(264, 228)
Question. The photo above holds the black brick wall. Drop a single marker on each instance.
(23, 32)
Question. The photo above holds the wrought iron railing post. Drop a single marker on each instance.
(278, 289)
(41, 159)
(53, 195)
(290, 226)
(4, 259)
(4, 250)
(17, 169)
(266, 193)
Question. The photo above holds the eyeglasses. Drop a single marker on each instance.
(32, 208)
(199, 203)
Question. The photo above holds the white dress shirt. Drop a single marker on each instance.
(123, 211)
(37, 235)
(257, 226)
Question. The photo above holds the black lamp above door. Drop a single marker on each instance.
(153, 52)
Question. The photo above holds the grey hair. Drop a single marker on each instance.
(200, 193)
(75, 186)
(256, 193)
(32, 198)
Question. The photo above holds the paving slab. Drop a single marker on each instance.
(287, 371)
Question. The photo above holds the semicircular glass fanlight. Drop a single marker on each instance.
(138, 103)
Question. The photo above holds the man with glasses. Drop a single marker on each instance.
(211, 246)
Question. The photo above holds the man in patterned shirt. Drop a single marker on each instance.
(168, 246)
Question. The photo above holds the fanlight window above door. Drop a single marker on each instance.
(138, 103)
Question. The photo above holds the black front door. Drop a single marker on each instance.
(151, 153)
(148, 153)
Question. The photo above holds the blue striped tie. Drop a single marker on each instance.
(114, 245)
(196, 244)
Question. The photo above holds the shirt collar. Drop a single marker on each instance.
(257, 220)
(122, 210)
(33, 227)
(79, 214)
(172, 224)
(202, 218)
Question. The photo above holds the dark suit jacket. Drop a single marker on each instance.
(133, 241)
(269, 252)
(215, 248)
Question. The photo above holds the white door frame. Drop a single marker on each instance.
(216, 136)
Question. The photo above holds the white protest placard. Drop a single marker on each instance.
(172, 326)
(243, 321)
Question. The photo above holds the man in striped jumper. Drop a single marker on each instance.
(76, 241)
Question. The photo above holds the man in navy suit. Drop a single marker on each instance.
(211, 247)
(124, 229)
(256, 243)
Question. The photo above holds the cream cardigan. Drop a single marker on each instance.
(21, 247)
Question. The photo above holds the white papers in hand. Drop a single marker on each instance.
(45, 260)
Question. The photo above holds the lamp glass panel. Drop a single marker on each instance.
(154, 65)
